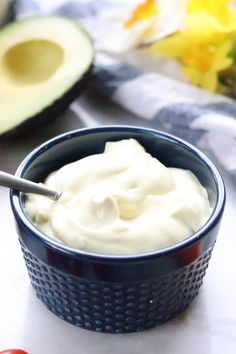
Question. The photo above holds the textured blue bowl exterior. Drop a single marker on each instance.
(109, 293)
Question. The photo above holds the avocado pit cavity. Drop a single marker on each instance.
(33, 61)
(44, 65)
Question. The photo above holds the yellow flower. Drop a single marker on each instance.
(121, 28)
(219, 9)
(203, 46)
(210, 18)
(201, 64)
(142, 12)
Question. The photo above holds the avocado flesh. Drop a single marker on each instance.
(43, 62)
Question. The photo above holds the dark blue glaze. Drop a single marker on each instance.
(185, 261)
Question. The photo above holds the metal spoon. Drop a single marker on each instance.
(23, 185)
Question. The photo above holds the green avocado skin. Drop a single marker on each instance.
(10, 14)
(50, 112)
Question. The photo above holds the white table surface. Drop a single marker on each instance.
(207, 326)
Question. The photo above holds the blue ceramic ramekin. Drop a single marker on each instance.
(111, 293)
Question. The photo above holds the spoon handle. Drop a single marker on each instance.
(23, 185)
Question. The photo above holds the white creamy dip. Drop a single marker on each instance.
(122, 201)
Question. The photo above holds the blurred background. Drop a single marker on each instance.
(169, 65)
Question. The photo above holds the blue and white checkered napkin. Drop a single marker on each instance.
(204, 119)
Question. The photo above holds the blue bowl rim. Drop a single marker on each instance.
(25, 221)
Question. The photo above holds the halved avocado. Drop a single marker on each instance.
(44, 62)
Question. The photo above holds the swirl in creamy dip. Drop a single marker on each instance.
(122, 201)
